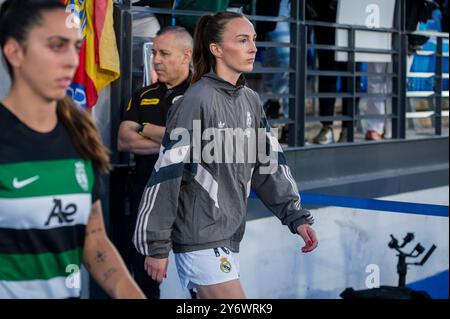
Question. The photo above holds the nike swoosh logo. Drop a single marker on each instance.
(21, 184)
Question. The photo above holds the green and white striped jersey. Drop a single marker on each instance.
(46, 194)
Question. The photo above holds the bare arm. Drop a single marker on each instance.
(104, 262)
(154, 132)
(130, 141)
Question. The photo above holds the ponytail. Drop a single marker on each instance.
(209, 29)
(202, 57)
(84, 134)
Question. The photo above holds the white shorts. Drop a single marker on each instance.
(207, 267)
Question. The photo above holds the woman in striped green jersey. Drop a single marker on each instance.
(50, 158)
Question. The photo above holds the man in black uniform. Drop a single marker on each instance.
(326, 11)
(143, 125)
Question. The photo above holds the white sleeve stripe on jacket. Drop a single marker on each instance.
(288, 170)
(140, 229)
(153, 198)
(172, 156)
(285, 169)
(206, 180)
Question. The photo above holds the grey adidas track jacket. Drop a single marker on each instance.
(192, 202)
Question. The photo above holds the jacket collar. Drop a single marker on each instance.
(224, 86)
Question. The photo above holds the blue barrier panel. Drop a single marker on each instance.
(372, 204)
(436, 286)
(427, 63)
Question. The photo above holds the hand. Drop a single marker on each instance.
(156, 268)
(309, 236)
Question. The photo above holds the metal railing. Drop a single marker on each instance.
(299, 72)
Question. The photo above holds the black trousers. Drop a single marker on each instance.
(326, 36)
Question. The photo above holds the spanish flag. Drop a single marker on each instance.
(99, 57)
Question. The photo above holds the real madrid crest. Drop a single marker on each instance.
(80, 175)
(225, 265)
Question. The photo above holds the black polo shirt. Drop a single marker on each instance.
(150, 104)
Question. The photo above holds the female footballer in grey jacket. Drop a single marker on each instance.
(217, 146)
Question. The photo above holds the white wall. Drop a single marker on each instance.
(272, 265)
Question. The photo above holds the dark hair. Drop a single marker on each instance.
(17, 18)
(84, 134)
(209, 29)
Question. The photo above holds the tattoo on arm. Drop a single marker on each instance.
(109, 273)
(97, 230)
(94, 211)
(94, 231)
(94, 225)
(100, 256)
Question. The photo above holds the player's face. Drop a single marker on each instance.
(238, 46)
(47, 61)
